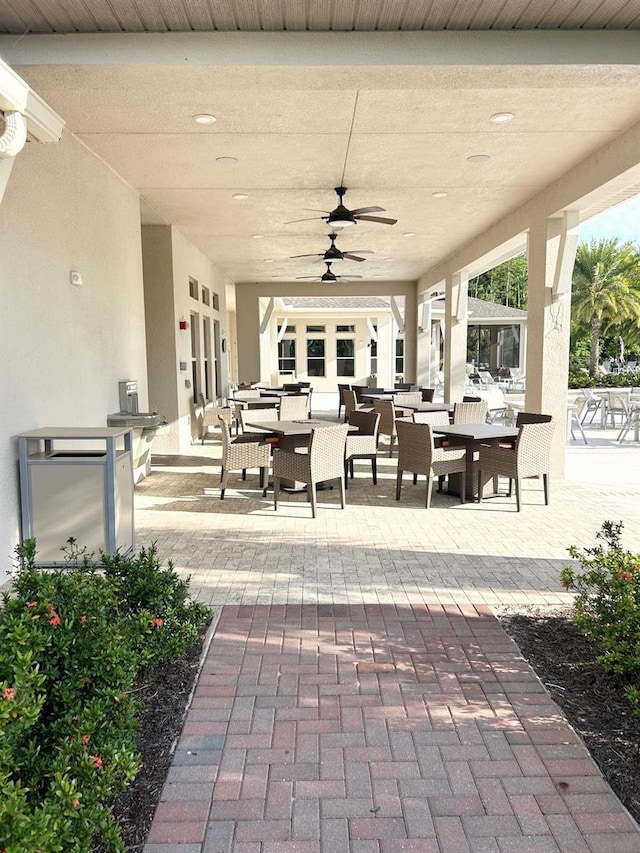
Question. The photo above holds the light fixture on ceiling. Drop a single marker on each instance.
(268, 261)
(333, 253)
(240, 196)
(409, 234)
(478, 158)
(341, 216)
(439, 194)
(258, 236)
(227, 161)
(500, 118)
(204, 118)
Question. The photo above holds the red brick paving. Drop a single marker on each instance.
(378, 729)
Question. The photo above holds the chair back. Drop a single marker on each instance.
(407, 398)
(341, 390)
(415, 447)
(249, 394)
(470, 413)
(403, 386)
(532, 418)
(246, 415)
(433, 418)
(294, 407)
(485, 377)
(619, 400)
(350, 402)
(533, 448)
(588, 393)
(326, 452)
(427, 394)
(367, 422)
(226, 440)
(359, 390)
(470, 399)
(387, 412)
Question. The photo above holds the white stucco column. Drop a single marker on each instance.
(551, 253)
(386, 351)
(425, 374)
(455, 344)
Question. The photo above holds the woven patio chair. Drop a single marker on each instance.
(351, 404)
(388, 417)
(470, 413)
(210, 421)
(242, 455)
(294, 407)
(323, 461)
(341, 389)
(530, 457)
(248, 415)
(363, 444)
(407, 398)
(427, 394)
(418, 455)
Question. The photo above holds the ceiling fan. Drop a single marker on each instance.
(329, 275)
(341, 216)
(333, 253)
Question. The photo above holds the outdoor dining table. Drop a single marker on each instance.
(257, 402)
(472, 436)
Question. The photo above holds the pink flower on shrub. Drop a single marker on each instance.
(55, 620)
(83, 619)
(625, 576)
(97, 761)
(157, 623)
(75, 803)
(85, 739)
(9, 693)
(32, 603)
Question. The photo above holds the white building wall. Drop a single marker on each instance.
(63, 349)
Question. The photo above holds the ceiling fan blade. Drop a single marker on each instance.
(349, 277)
(368, 210)
(353, 257)
(315, 210)
(313, 277)
(307, 219)
(381, 219)
(315, 255)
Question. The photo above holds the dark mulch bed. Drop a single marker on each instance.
(592, 700)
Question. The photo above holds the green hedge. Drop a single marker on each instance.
(73, 643)
(579, 379)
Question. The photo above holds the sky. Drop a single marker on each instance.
(622, 221)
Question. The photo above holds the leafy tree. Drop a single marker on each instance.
(505, 284)
(605, 289)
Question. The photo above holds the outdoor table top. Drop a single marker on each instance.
(257, 402)
(301, 427)
(476, 432)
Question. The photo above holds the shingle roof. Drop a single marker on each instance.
(335, 302)
(483, 310)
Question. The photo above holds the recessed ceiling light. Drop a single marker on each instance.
(227, 161)
(269, 261)
(440, 194)
(258, 236)
(499, 118)
(479, 158)
(409, 234)
(240, 196)
(389, 259)
(204, 118)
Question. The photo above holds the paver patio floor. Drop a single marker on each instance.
(358, 693)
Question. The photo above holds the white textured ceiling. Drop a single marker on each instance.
(301, 120)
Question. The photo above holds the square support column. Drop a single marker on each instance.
(551, 254)
(455, 343)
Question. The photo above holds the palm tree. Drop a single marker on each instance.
(605, 290)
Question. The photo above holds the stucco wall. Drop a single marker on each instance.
(169, 262)
(63, 349)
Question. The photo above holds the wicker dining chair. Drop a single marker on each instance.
(407, 398)
(427, 394)
(323, 461)
(363, 444)
(417, 454)
(341, 389)
(210, 420)
(294, 407)
(388, 417)
(470, 413)
(242, 455)
(248, 415)
(530, 457)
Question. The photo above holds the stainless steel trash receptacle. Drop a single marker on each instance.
(76, 482)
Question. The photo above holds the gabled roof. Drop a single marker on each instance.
(480, 309)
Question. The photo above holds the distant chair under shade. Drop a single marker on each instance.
(417, 454)
(427, 394)
(530, 457)
(363, 444)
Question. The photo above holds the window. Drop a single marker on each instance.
(373, 350)
(194, 326)
(287, 356)
(346, 329)
(400, 356)
(314, 330)
(290, 330)
(206, 353)
(315, 357)
(345, 357)
(194, 289)
(206, 298)
(215, 301)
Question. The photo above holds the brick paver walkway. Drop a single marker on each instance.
(371, 729)
(358, 694)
